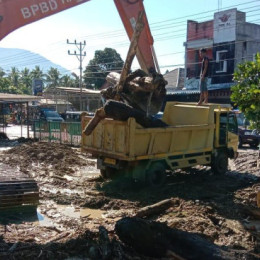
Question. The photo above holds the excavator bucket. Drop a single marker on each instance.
(16, 190)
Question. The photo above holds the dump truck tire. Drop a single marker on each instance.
(156, 175)
(219, 163)
(103, 174)
(109, 173)
(240, 142)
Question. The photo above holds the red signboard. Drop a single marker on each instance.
(17, 13)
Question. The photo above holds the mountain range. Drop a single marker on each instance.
(20, 59)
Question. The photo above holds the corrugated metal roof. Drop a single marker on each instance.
(54, 102)
(75, 90)
(183, 92)
(4, 97)
(193, 91)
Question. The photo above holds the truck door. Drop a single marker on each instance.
(232, 132)
(223, 120)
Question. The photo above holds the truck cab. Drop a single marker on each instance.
(50, 116)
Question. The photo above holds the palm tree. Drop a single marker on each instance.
(37, 73)
(2, 73)
(14, 77)
(26, 81)
(76, 80)
(67, 81)
(53, 77)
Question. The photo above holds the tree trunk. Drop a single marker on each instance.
(132, 50)
(157, 240)
(120, 111)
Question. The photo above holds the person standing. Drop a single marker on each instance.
(204, 77)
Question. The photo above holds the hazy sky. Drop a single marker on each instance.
(98, 23)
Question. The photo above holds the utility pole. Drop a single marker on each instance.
(80, 56)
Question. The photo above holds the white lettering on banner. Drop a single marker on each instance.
(26, 12)
(53, 4)
(34, 9)
(42, 7)
(65, 1)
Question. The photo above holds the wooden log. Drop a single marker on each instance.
(113, 78)
(132, 50)
(58, 237)
(157, 240)
(120, 111)
(156, 208)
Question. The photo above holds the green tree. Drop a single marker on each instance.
(37, 73)
(103, 62)
(2, 73)
(246, 92)
(14, 77)
(4, 85)
(53, 77)
(67, 81)
(25, 81)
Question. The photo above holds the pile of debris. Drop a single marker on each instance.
(60, 157)
(248, 162)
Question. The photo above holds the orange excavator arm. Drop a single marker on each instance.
(128, 11)
(17, 13)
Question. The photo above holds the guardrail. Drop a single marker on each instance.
(59, 132)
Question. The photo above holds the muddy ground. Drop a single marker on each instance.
(75, 203)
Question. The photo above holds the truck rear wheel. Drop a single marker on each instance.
(156, 175)
(109, 173)
(219, 163)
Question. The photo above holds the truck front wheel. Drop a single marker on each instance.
(219, 163)
(240, 143)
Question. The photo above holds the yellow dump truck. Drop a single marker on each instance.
(195, 135)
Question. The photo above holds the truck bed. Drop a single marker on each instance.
(189, 133)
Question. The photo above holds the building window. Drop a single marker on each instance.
(221, 62)
(254, 54)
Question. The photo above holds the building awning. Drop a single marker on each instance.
(72, 90)
(17, 98)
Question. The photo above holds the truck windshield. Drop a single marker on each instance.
(241, 120)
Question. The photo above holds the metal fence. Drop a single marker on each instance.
(59, 132)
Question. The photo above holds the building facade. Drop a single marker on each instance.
(175, 79)
(91, 99)
(229, 40)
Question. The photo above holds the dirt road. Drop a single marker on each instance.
(76, 202)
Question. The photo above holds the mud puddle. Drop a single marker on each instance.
(73, 212)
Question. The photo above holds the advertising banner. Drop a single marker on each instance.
(225, 26)
(17, 13)
(37, 86)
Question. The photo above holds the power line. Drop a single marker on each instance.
(156, 23)
(173, 36)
